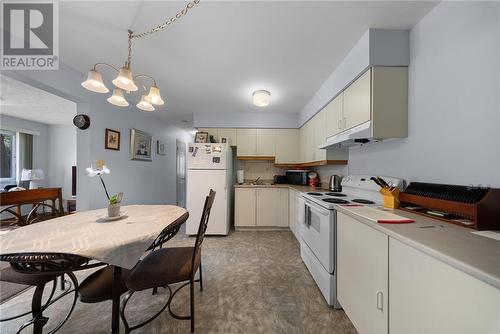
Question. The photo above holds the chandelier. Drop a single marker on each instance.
(126, 82)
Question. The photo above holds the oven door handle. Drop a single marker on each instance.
(318, 210)
(307, 215)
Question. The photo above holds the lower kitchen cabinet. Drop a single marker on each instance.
(429, 296)
(244, 207)
(362, 274)
(293, 206)
(261, 207)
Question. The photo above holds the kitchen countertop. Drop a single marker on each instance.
(283, 185)
(475, 255)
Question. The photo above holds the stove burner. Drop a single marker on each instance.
(315, 194)
(362, 201)
(336, 194)
(335, 200)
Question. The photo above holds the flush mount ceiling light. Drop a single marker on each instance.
(125, 81)
(261, 98)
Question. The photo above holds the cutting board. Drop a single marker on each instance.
(378, 215)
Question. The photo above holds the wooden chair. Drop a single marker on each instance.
(167, 266)
(15, 200)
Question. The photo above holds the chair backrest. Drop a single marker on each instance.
(209, 200)
(34, 197)
(168, 232)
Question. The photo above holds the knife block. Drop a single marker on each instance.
(390, 197)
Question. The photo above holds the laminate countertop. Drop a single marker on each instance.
(289, 186)
(475, 255)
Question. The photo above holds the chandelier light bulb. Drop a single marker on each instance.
(117, 98)
(94, 82)
(261, 98)
(154, 96)
(124, 80)
(145, 105)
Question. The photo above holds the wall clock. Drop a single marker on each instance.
(81, 121)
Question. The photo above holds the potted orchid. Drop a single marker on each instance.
(114, 200)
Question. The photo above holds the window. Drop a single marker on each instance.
(7, 156)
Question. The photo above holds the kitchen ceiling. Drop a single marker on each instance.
(215, 57)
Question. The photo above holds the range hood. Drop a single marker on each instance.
(358, 135)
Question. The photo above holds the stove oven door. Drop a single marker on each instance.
(318, 233)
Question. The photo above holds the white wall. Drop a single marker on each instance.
(454, 107)
(245, 120)
(62, 156)
(41, 142)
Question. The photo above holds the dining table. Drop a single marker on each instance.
(91, 235)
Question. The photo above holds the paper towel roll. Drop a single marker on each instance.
(240, 175)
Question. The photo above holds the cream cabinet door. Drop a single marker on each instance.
(245, 207)
(334, 116)
(229, 134)
(266, 142)
(283, 208)
(429, 296)
(211, 132)
(287, 146)
(292, 212)
(268, 202)
(247, 142)
(306, 142)
(319, 136)
(302, 143)
(357, 101)
(362, 274)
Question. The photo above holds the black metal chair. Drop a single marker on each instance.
(167, 266)
(97, 287)
(38, 269)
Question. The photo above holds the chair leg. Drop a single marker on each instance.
(201, 279)
(191, 287)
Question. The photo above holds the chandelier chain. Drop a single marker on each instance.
(165, 24)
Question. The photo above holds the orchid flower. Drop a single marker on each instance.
(99, 172)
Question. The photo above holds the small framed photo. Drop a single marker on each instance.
(201, 137)
(223, 140)
(161, 147)
(140, 145)
(112, 140)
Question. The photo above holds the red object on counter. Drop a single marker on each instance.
(401, 221)
(313, 181)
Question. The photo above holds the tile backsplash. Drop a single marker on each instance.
(263, 169)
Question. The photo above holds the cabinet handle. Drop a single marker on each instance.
(380, 301)
(339, 126)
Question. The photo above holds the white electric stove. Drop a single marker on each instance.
(318, 215)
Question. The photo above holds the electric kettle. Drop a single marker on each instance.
(334, 184)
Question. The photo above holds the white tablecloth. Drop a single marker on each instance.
(119, 243)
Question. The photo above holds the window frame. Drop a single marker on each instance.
(13, 179)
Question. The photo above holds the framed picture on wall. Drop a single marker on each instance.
(112, 140)
(201, 137)
(161, 147)
(140, 145)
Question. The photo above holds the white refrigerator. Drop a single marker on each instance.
(209, 166)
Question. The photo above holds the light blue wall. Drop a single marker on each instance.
(142, 182)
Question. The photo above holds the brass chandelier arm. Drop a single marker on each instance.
(145, 76)
(104, 64)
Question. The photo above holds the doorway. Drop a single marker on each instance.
(181, 172)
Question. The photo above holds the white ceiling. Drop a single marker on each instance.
(24, 101)
(212, 59)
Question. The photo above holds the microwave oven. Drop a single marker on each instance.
(298, 177)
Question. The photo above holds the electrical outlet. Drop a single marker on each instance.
(100, 163)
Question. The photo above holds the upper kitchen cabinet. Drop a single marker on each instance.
(334, 116)
(318, 136)
(357, 105)
(266, 142)
(229, 134)
(247, 142)
(287, 146)
(374, 106)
